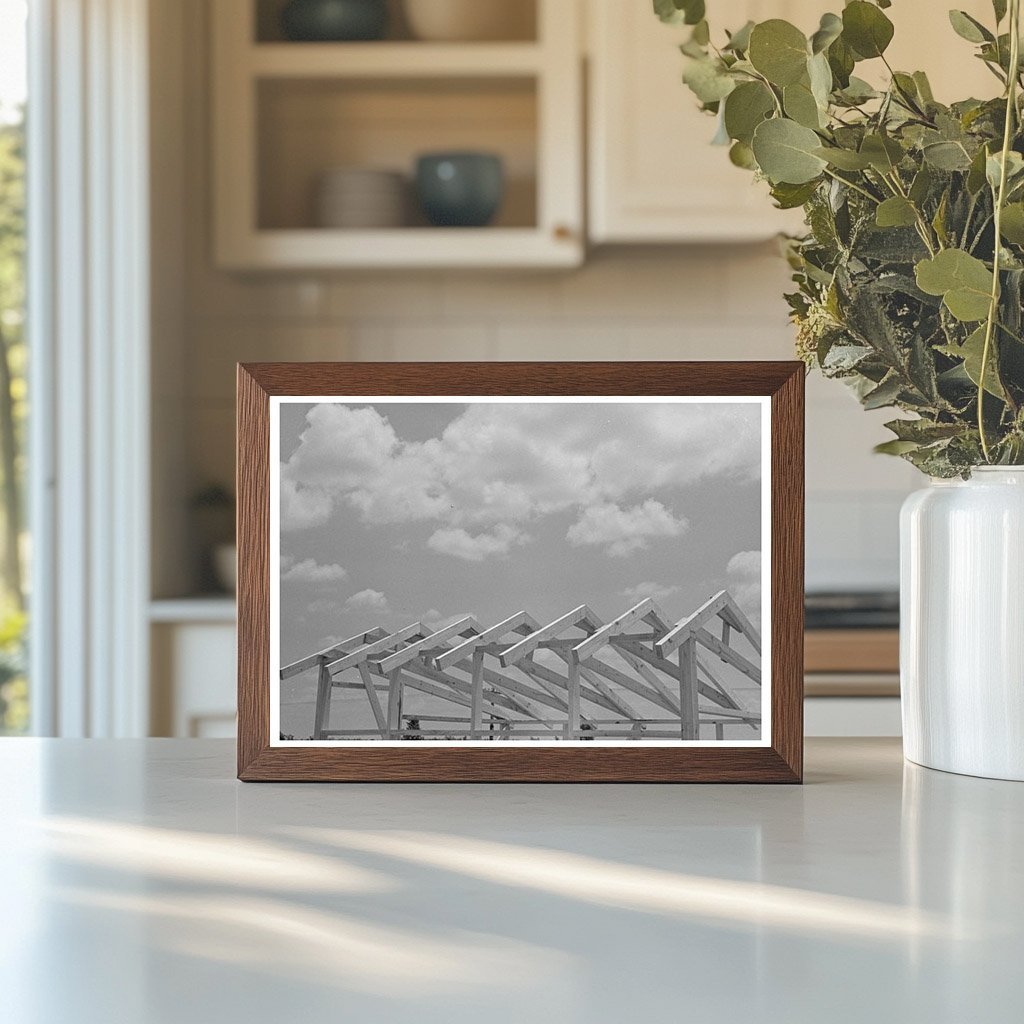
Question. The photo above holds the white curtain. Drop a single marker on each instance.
(88, 317)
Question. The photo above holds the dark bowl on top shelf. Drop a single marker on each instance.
(334, 21)
(461, 190)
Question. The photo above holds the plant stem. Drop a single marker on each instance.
(856, 188)
(1000, 199)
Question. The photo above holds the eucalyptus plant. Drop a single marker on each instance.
(910, 278)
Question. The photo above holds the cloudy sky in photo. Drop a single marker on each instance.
(404, 512)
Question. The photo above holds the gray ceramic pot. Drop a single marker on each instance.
(460, 189)
(334, 20)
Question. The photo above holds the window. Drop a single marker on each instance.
(14, 547)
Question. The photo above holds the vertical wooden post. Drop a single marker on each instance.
(394, 702)
(322, 716)
(689, 710)
(477, 702)
(371, 693)
(572, 724)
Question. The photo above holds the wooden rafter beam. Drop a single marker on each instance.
(734, 658)
(330, 654)
(531, 668)
(645, 611)
(465, 687)
(741, 623)
(660, 698)
(385, 643)
(425, 686)
(714, 681)
(521, 622)
(667, 668)
(582, 617)
(688, 626)
(464, 627)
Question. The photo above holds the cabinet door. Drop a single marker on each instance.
(654, 176)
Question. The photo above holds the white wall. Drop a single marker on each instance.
(700, 303)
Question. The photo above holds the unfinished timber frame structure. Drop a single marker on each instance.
(637, 677)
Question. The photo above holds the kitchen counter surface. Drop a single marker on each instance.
(142, 884)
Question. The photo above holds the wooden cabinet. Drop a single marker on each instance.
(192, 652)
(653, 175)
(286, 113)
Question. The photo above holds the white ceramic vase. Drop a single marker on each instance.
(962, 624)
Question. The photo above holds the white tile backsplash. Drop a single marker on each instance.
(715, 303)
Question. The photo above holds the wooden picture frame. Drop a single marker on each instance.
(779, 759)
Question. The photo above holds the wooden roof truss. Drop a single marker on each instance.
(638, 676)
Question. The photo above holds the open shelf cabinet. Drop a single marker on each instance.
(285, 113)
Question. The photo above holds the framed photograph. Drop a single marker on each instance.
(515, 572)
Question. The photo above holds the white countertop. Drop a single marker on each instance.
(143, 885)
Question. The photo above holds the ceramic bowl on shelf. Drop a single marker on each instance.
(363, 198)
(460, 189)
(470, 20)
(333, 21)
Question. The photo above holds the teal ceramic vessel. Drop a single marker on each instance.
(461, 190)
(334, 21)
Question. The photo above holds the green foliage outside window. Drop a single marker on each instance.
(13, 411)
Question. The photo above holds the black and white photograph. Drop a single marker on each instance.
(543, 571)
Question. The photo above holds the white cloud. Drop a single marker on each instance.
(456, 542)
(621, 531)
(310, 571)
(368, 601)
(303, 507)
(435, 620)
(744, 573)
(657, 591)
(510, 464)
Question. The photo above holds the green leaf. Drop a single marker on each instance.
(800, 105)
(830, 29)
(1014, 169)
(844, 159)
(963, 281)
(882, 153)
(858, 91)
(1012, 226)
(741, 155)
(739, 41)
(972, 352)
(896, 447)
(676, 12)
(969, 28)
(924, 87)
(785, 152)
(866, 29)
(708, 80)
(976, 174)
(778, 50)
(884, 395)
(896, 212)
(789, 197)
(745, 108)
(921, 185)
(820, 76)
(841, 60)
(947, 156)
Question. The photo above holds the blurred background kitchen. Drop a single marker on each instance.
(368, 180)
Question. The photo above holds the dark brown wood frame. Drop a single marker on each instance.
(781, 762)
